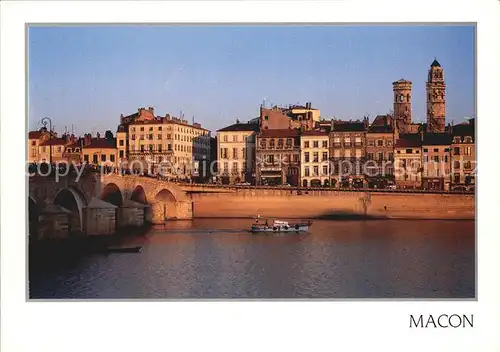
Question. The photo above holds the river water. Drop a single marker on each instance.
(216, 258)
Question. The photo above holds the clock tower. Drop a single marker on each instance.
(402, 105)
(436, 105)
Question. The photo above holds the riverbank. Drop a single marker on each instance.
(334, 205)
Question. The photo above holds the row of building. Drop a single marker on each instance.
(294, 145)
(287, 145)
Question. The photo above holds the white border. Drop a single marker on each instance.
(250, 326)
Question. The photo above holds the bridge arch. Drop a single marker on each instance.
(111, 193)
(164, 206)
(139, 195)
(74, 200)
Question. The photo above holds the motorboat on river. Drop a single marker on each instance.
(279, 226)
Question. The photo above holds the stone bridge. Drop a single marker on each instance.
(93, 199)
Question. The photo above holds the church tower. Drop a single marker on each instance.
(436, 107)
(402, 105)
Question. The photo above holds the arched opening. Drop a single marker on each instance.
(304, 183)
(139, 195)
(32, 218)
(164, 206)
(111, 193)
(315, 183)
(73, 200)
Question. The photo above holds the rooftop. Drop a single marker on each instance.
(280, 133)
(101, 143)
(437, 139)
(348, 126)
(54, 141)
(409, 141)
(314, 133)
(240, 127)
(435, 63)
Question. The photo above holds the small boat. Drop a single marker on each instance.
(280, 226)
(124, 249)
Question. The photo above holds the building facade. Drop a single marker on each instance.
(278, 157)
(236, 152)
(408, 161)
(168, 146)
(347, 144)
(314, 159)
(99, 151)
(436, 161)
(463, 155)
(293, 116)
(380, 147)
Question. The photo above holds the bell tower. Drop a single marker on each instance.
(402, 105)
(436, 105)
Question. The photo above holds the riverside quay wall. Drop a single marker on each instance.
(333, 205)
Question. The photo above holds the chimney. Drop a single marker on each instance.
(98, 135)
(151, 109)
(87, 139)
(332, 125)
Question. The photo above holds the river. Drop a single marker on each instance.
(216, 258)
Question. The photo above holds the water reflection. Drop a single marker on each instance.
(216, 258)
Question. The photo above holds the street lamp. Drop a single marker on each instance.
(46, 120)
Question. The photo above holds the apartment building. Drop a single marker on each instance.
(314, 159)
(380, 147)
(167, 145)
(236, 152)
(436, 161)
(408, 161)
(278, 157)
(463, 155)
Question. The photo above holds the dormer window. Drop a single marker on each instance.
(69, 150)
(468, 139)
(456, 140)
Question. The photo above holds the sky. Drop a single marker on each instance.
(85, 77)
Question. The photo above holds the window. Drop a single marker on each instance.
(380, 156)
(43, 149)
(391, 156)
(235, 153)
(160, 136)
(347, 153)
(121, 154)
(280, 143)
(315, 144)
(263, 143)
(271, 143)
(456, 139)
(159, 128)
(446, 158)
(436, 158)
(389, 142)
(467, 165)
(142, 129)
(141, 137)
(347, 141)
(226, 166)
(380, 142)
(457, 178)
(401, 98)
(112, 158)
(358, 153)
(151, 147)
(336, 153)
(325, 170)
(324, 144)
(409, 151)
(235, 167)
(456, 164)
(316, 170)
(169, 136)
(336, 140)
(103, 157)
(324, 156)
(306, 157)
(426, 158)
(306, 171)
(426, 150)
(306, 144)
(150, 128)
(225, 138)
(121, 142)
(436, 150)
(468, 139)
(132, 129)
(371, 143)
(270, 159)
(370, 156)
(159, 148)
(468, 151)
(315, 157)
(169, 147)
(94, 159)
(446, 150)
(86, 158)
(266, 117)
(296, 158)
(133, 148)
(456, 151)
(142, 148)
(235, 138)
